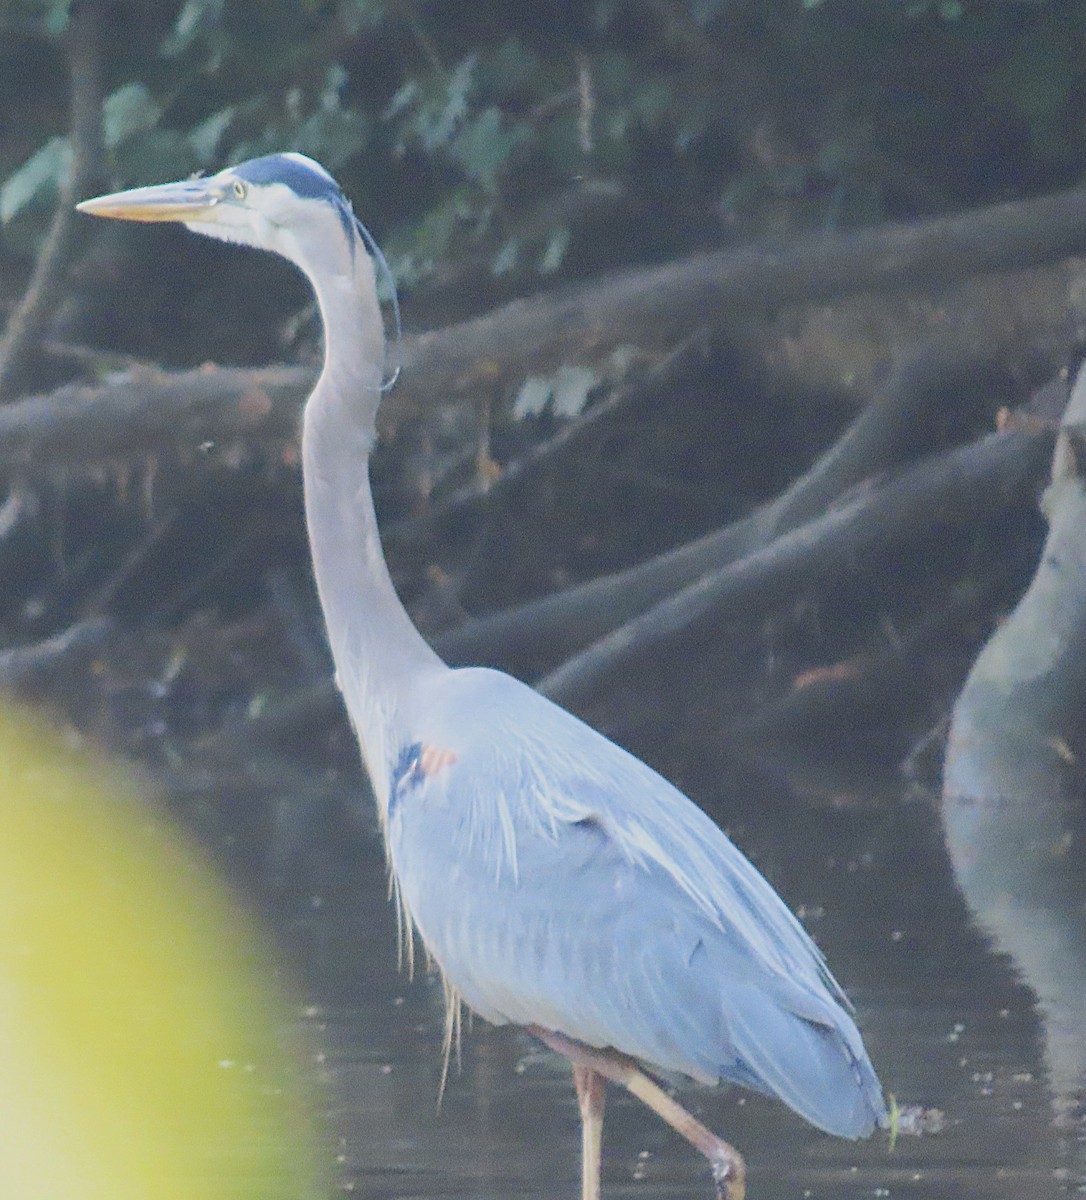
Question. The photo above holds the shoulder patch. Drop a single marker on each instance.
(418, 762)
(433, 759)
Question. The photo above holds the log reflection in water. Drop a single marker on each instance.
(1013, 802)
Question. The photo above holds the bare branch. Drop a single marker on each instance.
(23, 664)
(146, 410)
(659, 306)
(27, 322)
(534, 636)
(410, 530)
(656, 308)
(959, 485)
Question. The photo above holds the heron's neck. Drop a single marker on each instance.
(380, 656)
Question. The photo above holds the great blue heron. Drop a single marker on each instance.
(558, 882)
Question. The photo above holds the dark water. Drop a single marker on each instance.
(947, 1023)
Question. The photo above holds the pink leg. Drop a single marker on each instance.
(590, 1097)
(729, 1170)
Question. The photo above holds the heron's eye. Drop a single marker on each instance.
(239, 189)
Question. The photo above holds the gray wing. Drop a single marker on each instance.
(559, 881)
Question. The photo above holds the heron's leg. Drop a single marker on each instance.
(591, 1095)
(729, 1170)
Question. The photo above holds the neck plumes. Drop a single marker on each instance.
(380, 656)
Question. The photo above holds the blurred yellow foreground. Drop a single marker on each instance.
(142, 1052)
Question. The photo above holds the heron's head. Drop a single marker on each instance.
(285, 203)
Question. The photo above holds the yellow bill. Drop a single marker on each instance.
(189, 200)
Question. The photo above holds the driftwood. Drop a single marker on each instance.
(1014, 786)
(589, 633)
(660, 305)
(935, 496)
(960, 485)
(147, 410)
(654, 307)
(1031, 320)
(27, 322)
(22, 665)
(894, 427)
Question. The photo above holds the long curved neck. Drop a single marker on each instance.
(379, 654)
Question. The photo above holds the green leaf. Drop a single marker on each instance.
(435, 129)
(156, 155)
(484, 144)
(506, 259)
(566, 391)
(335, 80)
(435, 231)
(57, 15)
(512, 67)
(205, 138)
(131, 109)
(332, 136)
(653, 101)
(41, 172)
(532, 398)
(195, 17)
(555, 252)
(357, 15)
(404, 98)
(571, 387)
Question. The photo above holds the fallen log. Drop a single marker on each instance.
(536, 636)
(957, 486)
(657, 306)
(652, 307)
(144, 411)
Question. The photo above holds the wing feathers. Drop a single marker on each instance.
(559, 881)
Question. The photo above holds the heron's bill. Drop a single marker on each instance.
(185, 201)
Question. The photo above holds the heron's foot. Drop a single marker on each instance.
(729, 1170)
(729, 1173)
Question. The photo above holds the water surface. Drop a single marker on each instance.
(947, 1023)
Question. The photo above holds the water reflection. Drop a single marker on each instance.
(945, 1020)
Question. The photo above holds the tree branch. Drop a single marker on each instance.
(658, 306)
(20, 665)
(26, 323)
(533, 637)
(958, 485)
(147, 410)
(654, 307)
(409, 531)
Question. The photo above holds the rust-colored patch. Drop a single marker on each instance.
(433, 759)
